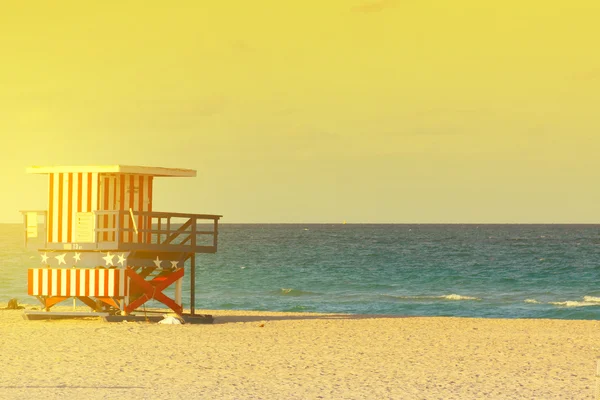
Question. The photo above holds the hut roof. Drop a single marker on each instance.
(114, 169)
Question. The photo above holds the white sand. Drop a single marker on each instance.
(299, 356)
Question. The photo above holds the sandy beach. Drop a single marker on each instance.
(267, 355)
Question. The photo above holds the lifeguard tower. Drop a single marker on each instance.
(101, 242)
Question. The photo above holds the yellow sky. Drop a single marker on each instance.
(312, 111)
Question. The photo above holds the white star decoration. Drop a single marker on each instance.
(157, 262)
(109, 258)
(61, 259)
(174, 264)
(44, 258)
(121, 259)
(77, 257)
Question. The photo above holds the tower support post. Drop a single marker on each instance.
(193, 284)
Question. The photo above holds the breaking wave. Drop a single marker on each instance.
(459, 297)
(454, 297)
(591, 299)
(294, 292)
(532, 301)
(587, 302)
(571, 303)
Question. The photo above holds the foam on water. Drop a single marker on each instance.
(454, 297)
(294, 292)
(532, 301)
(587, 301)
(570, 303)
(459, 297)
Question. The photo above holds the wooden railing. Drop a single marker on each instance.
(161, 231)
(131, 230)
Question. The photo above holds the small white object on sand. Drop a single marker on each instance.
(170, 320)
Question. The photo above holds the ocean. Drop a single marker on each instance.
(489, 271)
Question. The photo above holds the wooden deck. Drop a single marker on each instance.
(147, 231)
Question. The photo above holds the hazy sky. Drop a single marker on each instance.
(312, 111)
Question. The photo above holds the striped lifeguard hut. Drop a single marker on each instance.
(100, 240)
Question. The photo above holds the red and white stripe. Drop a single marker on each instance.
(73, 192)
(120, 193)
(70, 193)
(72, 282)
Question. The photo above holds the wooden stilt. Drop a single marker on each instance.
(125, 302)
(193, 285)
(178, 291)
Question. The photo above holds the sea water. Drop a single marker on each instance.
(499, 271)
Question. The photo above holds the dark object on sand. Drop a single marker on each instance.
(13, 305)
